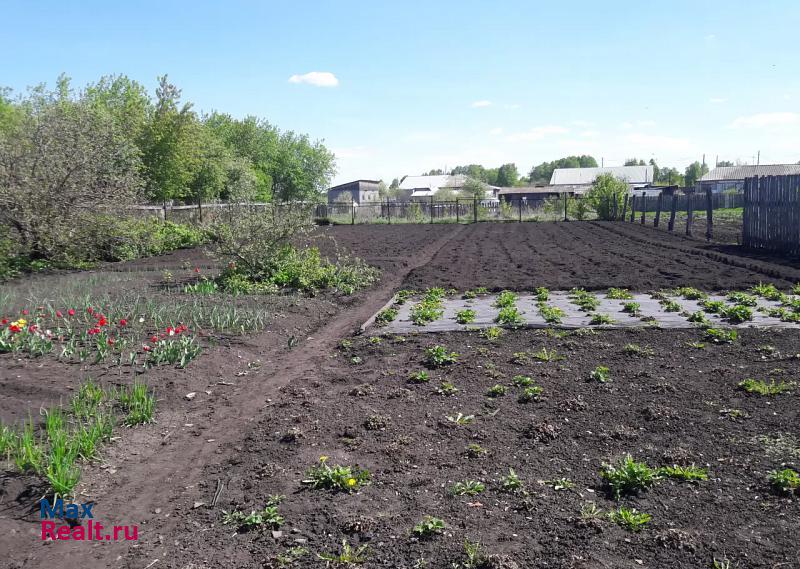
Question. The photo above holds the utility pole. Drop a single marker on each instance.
(758, 162)
(602, 162)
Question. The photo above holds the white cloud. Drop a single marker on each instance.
(536, 133)
(496, 131)
(717, 100)
(646, 123)
(588, 133)
(316, 78)
(766, 120)
(582, 124)
(626, 125)
(481, 104)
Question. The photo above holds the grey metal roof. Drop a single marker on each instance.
(631, 174)
(353, 182)
(723, 173)
(432, 182)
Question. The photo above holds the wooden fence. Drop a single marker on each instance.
(772, 213)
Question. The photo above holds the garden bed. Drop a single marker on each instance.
(665, 403)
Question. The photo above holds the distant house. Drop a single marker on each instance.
(579, 180)
(725, 178)
(538, 193)
(417, 188)
(357, 192)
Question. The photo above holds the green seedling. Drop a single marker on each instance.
(341, 478)
(786, 481)
(690, 293)
(632, 308)
(545, 355)
(386, 316)
(465, 316)
(601, 374)
(474, 450)
(497, 391)
(720, 336)
(506, 299)
(630, 519)
(521, 381)
(266, 518)
(447, 389)
(619, 294)
(438, 356)
(543, 295)
(684, 473)
(492, 333)
(628, 476)
(509, 316)
(419, 377)
(461, 419)
(347, 556)
(551, 314)
(467, 488)
(743, 298)
(670, 305)
(428, 526)
(637, 350)
(139, 403)
(737, 314)
(511, 482)
(601, 319)
(530, 393)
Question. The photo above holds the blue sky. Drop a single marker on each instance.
(409, 86)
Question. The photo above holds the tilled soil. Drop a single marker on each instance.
(594, 255)
(163, 477)
(677, 406)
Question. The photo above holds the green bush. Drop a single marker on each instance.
(301, 269)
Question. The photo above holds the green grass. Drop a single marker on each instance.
(139, 403)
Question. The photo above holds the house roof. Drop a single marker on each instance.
(722, 173)
(432, 182)
(631, 174)
(353, 182)
(545, 190)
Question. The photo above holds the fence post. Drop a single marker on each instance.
(644, 207)
(625, 207)
(565, 207)
(457, 212)
(633, 207)
(519, 205)
(674, 210)
(616, 207)
(658, 209)
(475, 209)
(389, 211)
(431, 206)
(352, 211)
(709, 215)
(689, 213)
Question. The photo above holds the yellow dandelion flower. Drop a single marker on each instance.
(21, 322)
(351, 482)
(323, 458)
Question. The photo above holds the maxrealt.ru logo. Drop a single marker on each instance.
(78, 523)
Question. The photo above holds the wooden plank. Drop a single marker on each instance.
(709, 214)
(689, 213)
(673, 212)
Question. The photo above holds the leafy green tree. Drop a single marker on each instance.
(444, 195)
(605, 191)
(723, 163)
(125, 102)
(474, 189)
(544, 171)
(166, 147)
(634, 162)
(694, 172)
(507, 175)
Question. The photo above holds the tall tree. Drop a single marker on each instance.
(507, 175)
(694, 172)
(167, 145)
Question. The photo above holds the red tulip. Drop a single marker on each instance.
(71, 312)
(4, 321)
(110, 341)
(90, 310)
(146, 348)
(123, 322)
(58, 314)
(154, 339)
(197, 269)
(102, 321)
(32, 328)
(25, 312)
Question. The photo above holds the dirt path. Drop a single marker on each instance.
(148, 469)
